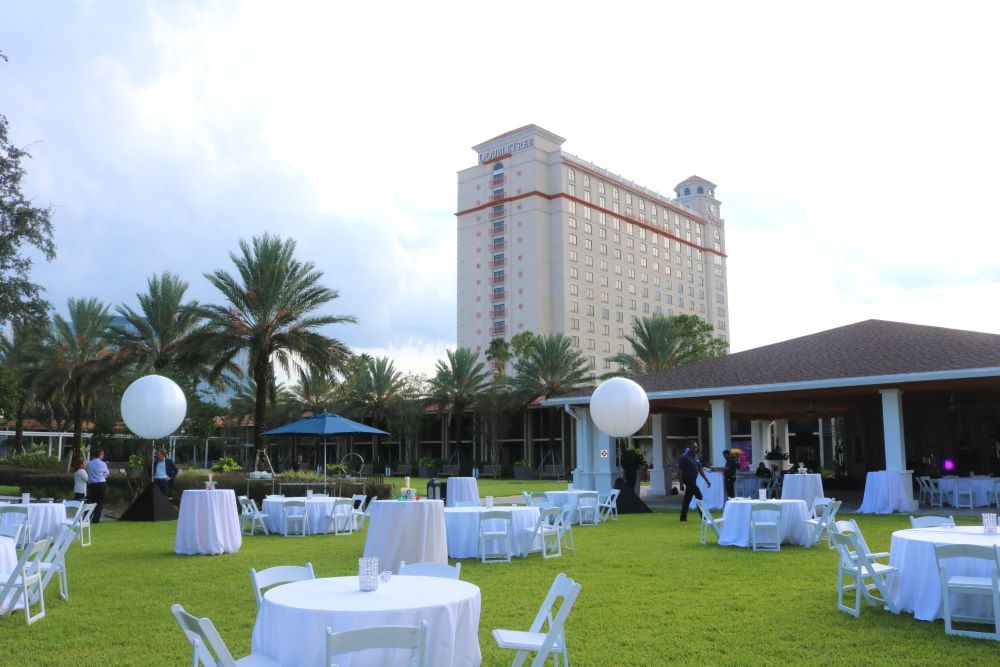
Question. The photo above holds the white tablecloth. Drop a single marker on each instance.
(208, 523)
(564, 499)
(45, 518)
(292, 619)
(736, 530)
(747, 486)
(885, 493)
(916, 586)
(802, 487)
(715, 495)
(8, 558)
(462, 489)
(462, 524)
(408, 530)
(319, 510)
(982, 489)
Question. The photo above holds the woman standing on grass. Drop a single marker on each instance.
(80, 481)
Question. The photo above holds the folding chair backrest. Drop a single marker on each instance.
(21, 513)
(818, 506)
(442, 570)
(279, 574)
(25, 575)
(73, 508)
(209, 649)
(847, 546)
(562, 587)
(931, 521)
(13, 531)
(528, 500)
(978, 551)
(384, 636)
(551, 515)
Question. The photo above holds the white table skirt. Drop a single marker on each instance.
(462, 524)
(318, 509)
(916, 587)
(747, 486)
(736, 530)
(564, 499)
(715, 495)
(292, 619)
(8, 558)
(45, 518)
(885, 493)
(462, 489)
(982, 489)
(802, 487)
(208, 523)
(406, 530)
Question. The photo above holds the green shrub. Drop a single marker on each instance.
(36, 457)
(226, 464)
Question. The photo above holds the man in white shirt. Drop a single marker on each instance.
(97, 482)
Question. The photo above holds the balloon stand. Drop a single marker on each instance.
(150, 505)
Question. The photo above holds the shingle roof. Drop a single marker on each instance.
(864, 349)
(695, 179)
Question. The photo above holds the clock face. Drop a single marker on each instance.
(711, 208)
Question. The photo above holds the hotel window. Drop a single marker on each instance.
(586, 196)
(701, 307)
(642, 204)
(574, 272)
(631, 304)
(572, 175)
(498, 194)
(618, 254)
(602, 202)
(621, 349)
(604, 297)
(631, 274)
(602, 232)
(607, 363)
(574, 306)
(690, 291)
(621, 332)
(589, 276)
(604, 279)
(572, 239)
(498, 211)
(656, 280)
(604, 314)
(720, 298)
(642, 262)
(631, 289)
(603, 263)
(590, 327)
(604, 251)
(619, 317)
(615, 223)
(571, 222)
(586, 181)
(645, 292)
(588, 260)
(618, 285)
(618, 269)
(701, 294)
(588, 228)
(602, 218)
(658, 310)
(605, 346)
(498, 293)
(680, 302)
(592, 361)
(628, 211)
(571, 206)
(572, 255)
(614, 208)
(619, 301)
(590, 310)
(588, 244)
(720, 311)
(589, 292)
(670, 298)
(652, 209)
(642, 247)
(591, 344)
(645, 307)
(630, 243)
(701, 190)
(614, 193)
(606, 329)
(574, 323)
(576, 341)
(628, 198)
(572, 190)
(574, 290)
(630, 257)
(721, 325)
(600, 187)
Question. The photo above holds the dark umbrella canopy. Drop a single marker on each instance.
(325, 423)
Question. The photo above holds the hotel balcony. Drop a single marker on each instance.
(499, 229)
(499, 296)
(498, 246)
(499, 312)
(499, 329)
(498, 263)
(498, 196)
(498, 212)
(497, 181)
(498, 280)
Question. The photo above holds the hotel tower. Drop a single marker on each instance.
(551, 243)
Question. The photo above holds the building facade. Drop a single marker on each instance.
(550, 243)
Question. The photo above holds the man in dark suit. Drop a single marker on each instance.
(690, 467)
(164, 472)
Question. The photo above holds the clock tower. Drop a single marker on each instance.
(698, 195)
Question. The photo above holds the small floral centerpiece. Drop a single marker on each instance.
(776, 455)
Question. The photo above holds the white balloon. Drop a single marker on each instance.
(153, 407)
(619, 407)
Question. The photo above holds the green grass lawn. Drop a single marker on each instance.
(652, 595)
(9, 490)
(492, 487)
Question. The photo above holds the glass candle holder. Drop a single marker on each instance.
(989, 523)
(368, 573)
(489, 501)
(762, 494)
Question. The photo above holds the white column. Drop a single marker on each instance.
(720, 430)
(604, 467)
(659, 484)
(758, 440)
(892, 427)
(583, 474)
(821, 442)
(781, 434)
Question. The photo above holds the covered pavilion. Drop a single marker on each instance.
(906, 394)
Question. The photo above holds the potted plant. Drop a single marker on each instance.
(523, 470)
(426, 467)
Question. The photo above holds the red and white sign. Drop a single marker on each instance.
(604, 453)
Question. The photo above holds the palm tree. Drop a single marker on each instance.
(269, 317)
(154, 339)
(456, 384)
(406, 414)
(23, 355)
(659, 343)
(499, 353)
(80, 359)
(316, 390)
(370, 391)
(549, 367)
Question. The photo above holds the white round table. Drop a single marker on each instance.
(45, 518)
(406, 530)
(736, 529)
(8, 558)
(885, 493)
(747, 486)
(208, 523)
(318, 509)
(916, 587)
(293, 618)
(982, 489)
(715, 495)
(462, 489)
(462, 526)
(807, 487)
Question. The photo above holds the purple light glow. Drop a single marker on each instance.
(948, 465)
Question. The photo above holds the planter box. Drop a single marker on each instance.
(520, 472)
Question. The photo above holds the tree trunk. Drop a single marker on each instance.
(459, 416)
(78, 424)
(260, 409)
(22, 407)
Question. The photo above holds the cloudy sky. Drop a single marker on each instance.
(855, 145)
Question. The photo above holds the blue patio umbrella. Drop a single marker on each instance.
(323, 424)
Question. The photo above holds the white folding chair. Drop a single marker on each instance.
(856, 566)
(489, 536)
(24, 585)
(379, 637)
(539, 639)
(955, 584)
(545, 534)
(442, 570)
(209, 649)
(528, 500)
(817, 507)
(708, 521)
(924, 490)
(251, 516)
(468, 503)
(850, 526)
(73, 508)
(279, 574)
(587, 510)
(995, 492)
(963, 490)
(774, 486)
(13, 531)
(822, 523)
(931, 521)
(341, 517)
(540, 499)
(362, 508)
(765, 518)
(87, 513)
(294, 517)
(609, 508)
(54, 560)
(565, 527)
(936, 492)
(17, 514)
